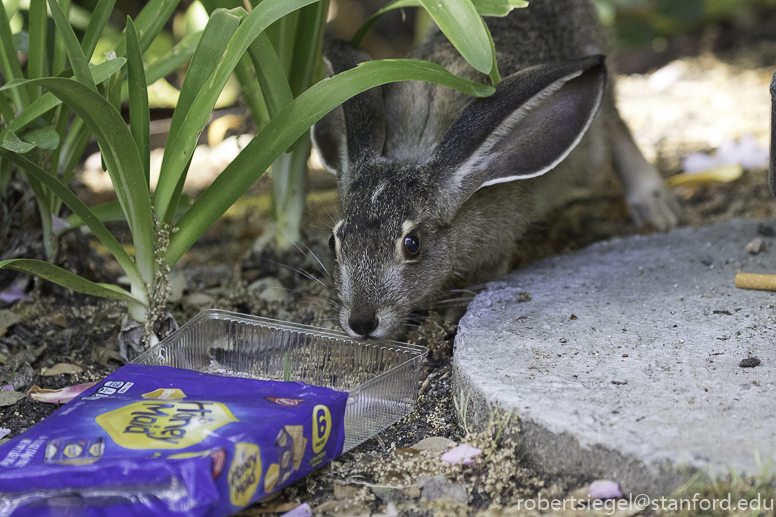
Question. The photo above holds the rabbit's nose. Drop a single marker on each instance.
(363, 326)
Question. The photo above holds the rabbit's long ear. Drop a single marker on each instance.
(354, 131)
(533, 121)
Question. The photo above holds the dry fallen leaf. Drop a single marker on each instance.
(61, 368)
(723, 173)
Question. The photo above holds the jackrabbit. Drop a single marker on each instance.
(436, 188)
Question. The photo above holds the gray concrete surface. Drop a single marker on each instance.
(622, 360)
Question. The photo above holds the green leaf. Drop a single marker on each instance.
(72, 47)
(111, 212)
(37, 65)
(270, 74)
(48, 101)
(9, 62)
(459, 20)
(149, 23)
(212, 45)
(497, 8)
(169, 62)
(122, 158)
(174, 167)
(291, 123)
(45, 137)
(139, 114)
(67, 279)
(85, 215)
(12, 142)
(97, 22)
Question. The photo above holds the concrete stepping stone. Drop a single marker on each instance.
(622, 360)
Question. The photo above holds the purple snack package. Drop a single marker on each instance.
(155, 440)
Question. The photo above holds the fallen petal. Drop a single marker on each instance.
(4, 432)
(303, 510)
(12, 294)
(463, 454)
(604, 489)
(698, 162)
(7, 387)
(58, 225)
(59, 396)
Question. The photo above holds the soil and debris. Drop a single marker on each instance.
(56, 338)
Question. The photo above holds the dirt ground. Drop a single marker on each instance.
(700, 103)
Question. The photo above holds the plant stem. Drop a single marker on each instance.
(288, 175)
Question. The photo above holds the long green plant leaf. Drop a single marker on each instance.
(9, 62)
(122, 159)
(252, 25)
(291, 123)
(484, 8)
(37, 66)
(139, 114)
(149, 23)
(462, 25)
(215, 38)
(48, 101)
(67, 279)
(84, 214)
(111, 212)
(270, 74)
(97, 22)
(74, 51)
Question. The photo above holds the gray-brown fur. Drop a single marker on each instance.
(412, 158)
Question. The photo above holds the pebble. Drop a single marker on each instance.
(270, 289)
(755, 246)
(439, 488)
(749, 362)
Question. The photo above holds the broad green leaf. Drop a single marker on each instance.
(67, 279)
(97, 22)
(496, 8)
(45, 137)
(185, 142)
(84, 214)
(72, 47)
(48, 102)
(291, 123)
(9, 62)
(139, 114)
(122, 158)
(459, 20)
(12, 142)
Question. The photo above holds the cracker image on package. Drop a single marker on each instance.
(156, 440)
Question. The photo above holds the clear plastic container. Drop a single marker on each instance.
(381, 377)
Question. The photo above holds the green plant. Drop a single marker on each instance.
(159, 240)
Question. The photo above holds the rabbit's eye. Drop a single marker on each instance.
(333, 244)
(411, 246)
